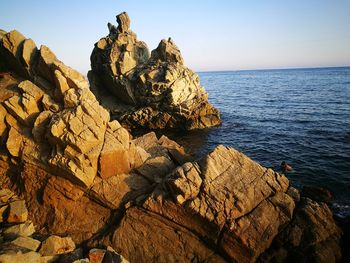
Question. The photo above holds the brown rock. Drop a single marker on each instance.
(3, 126)
(167, 51)
(60, 201)
(96, 255)
(144, 236)
(123, 22)
(250, 235)
(24, 107)
(40, 126)
(55, 245)
(161, 92)
(14, 142)
(19, 257)
(27, 242)
(226, 188)
(115, 157)
(29, 53)
(312, 235)
(45, 59)
(11, 48)
(77, 136)
(25, 230)
(18, 212)
(116, 191)
(5, 195)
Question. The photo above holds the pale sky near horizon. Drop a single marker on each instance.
(212, 35)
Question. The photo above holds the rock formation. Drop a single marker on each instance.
(83, 184)
(21, 243)
(147, 91)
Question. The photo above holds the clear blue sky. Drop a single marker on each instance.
(212, 35)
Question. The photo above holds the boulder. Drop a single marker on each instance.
(77, 136)
(25, 230)
(160, 91)
(115, 155)
(312, 235)
(19, 257)
(55, 245)
(5, 195)
(18, 212)
(11, 48)
(25, 106)
(27, 242)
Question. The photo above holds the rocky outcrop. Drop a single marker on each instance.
(147, 91)
(85, 188)
(19, 242)
(52, 110)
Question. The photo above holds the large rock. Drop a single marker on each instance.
(77, 136)
(25, 230)
(18, 212)
(55, 245)
(11, 48)
(160, 91)
(84, 177)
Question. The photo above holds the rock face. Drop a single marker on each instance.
(80, 181)
(149, 92)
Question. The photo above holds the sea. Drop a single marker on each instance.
(300, 116)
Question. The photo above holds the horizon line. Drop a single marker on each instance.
(270, 69)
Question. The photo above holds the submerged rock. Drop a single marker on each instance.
(149, 92)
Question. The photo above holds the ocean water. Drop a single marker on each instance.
(301, 116)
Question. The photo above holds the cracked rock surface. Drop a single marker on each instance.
(68, 171)
(147, 91)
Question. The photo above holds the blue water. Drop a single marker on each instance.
(301, 116)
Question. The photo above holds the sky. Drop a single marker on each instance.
(212, 35)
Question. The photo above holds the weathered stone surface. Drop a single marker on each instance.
(167, 51)
(312, 236)
(3, 126)
(11, 47)
(144, 236)
(29, 53)
(115, 156)
(27, 242)
(96, 255)
(18, 212)
(119, 189)
(24, 106)
(227, 190)
(59, 202)
(25, 230)
(123, 22)
(251, 235)
(19, 257)
(5, 195)
(45, 59)
(77, 135)
(150, 201)
(14, 142)
(163, 92)
(55, 245)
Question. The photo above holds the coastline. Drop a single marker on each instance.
(85, 182)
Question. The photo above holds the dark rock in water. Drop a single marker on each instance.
(149, 92)
(318, 194)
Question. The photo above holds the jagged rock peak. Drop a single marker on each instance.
(123, 20)
(167, 51)
(147, 92)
